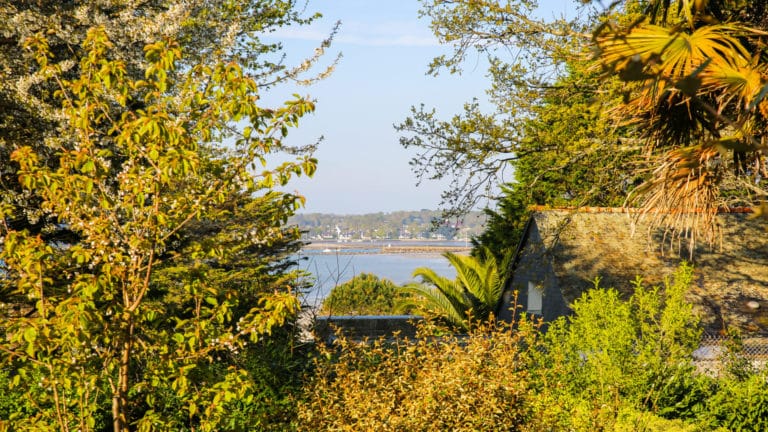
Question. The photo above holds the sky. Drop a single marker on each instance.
(386, 48)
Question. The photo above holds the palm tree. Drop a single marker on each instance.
(693, 55)
(696, 76)
(472, 296)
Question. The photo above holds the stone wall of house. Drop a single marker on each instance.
(533, 266)
(327, 328)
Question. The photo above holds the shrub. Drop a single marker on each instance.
(365, 294)
(630, 420)
(614, 355)
(614, 365)
(740, 405)
(477, 382)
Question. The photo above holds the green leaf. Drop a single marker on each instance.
(30, 334)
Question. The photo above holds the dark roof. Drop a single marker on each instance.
(617, 245)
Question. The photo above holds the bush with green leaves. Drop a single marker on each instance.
(615, 364)
(739, 404)
(473, 383)
(365, 294)
(612, 355)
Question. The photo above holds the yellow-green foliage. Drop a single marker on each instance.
(615, 365)
(473, 383)
(613, 355)
(630, 420)
(473, 295)
(107, 328)
(740, 403)
(365, 294)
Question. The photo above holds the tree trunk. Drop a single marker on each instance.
(120, 398)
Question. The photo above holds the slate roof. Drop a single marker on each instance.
(617, 245)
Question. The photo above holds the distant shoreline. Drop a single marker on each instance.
(386, 247)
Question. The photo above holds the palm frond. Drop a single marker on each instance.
(741, 83)
(450, 289)
(435, 302)
(682, 195)
(477, 288)
(671, 53)
(447, 286)
(694, 76)
(469, 276)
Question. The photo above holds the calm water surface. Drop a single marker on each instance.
(331, 269)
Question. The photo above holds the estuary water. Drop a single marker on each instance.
(333, 267)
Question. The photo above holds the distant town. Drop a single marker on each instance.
(398, 225)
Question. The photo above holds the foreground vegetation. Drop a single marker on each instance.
(145, 272)
(615, 365)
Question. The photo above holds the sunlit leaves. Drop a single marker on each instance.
(665, 58)
(694, 77)
(474, 383)
(472, 297)
(615, 364)
(108, 327)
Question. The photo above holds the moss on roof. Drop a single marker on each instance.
(618, 246)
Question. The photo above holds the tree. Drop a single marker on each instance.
(471, 297)
(139, 165)
(226, 30)
(525, 55)
(250, 251)
(545, 141)
(572, 156)
(695, 84)
(244, 240)
(365, 294)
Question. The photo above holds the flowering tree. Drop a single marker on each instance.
(107, 323)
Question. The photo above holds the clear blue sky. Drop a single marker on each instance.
(386, 49)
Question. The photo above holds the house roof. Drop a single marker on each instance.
(616, 245)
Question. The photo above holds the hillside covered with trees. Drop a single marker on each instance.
(422, 224)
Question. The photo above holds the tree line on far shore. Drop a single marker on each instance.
(427, 224)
